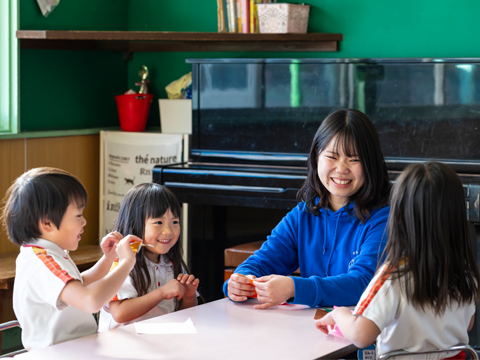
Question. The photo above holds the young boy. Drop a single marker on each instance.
(52, 301)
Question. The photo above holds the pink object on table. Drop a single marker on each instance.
(335, 330)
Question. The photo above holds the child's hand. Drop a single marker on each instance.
(239, 287)
(109, 245)
(124, 251)
(190, 283)
(273, 290)
(172, 289)
(322, 324)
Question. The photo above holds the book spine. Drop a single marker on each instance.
(220, 17)
(239, 16)
(232, 16)
(257, 24)
(245, 4)
(252, 16)
(225, 13)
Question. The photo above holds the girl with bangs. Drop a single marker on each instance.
(335, 234)
(159, 282)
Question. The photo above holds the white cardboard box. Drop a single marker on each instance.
(175, 116)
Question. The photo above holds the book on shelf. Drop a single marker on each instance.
(225, 13)
(221, 17)
(253, 9)
(239, 16)
(245, 18)
(232, 16)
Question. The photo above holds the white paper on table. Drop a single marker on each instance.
(47, 6)
(186, 327)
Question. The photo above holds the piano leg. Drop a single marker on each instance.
(220, 216)
(207, 242)
(474, 334)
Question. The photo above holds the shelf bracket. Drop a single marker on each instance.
(127, 56)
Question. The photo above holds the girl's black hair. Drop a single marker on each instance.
(428, 233)
(356, 135)
(142, 202)
(39, 194)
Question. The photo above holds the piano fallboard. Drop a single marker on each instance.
(273, 187)
(233, 184)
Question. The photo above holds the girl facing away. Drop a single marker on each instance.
(423, 296)
(160, 282)
(337, 231)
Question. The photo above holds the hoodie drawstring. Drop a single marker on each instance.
(325, 231)
(334, 242)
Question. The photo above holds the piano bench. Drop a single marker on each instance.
(236, 255)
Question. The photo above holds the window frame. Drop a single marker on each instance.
(9, 120)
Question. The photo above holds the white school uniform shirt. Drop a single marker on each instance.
(404, 327)
(160, 274)
(42, 271)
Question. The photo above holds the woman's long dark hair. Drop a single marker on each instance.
(355, 135)
(428, 232)
(142, 202)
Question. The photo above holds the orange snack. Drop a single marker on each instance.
(254, 295)
(135, 245)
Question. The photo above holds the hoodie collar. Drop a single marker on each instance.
(345, 210)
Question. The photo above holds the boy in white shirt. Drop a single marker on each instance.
(52, 300)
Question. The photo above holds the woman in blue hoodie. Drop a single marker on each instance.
(336, 234)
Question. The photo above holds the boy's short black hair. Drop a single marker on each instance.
(40, 193)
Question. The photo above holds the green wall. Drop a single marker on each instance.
(371, 28)
(62, 90)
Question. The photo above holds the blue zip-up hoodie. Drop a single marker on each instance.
(336, 253)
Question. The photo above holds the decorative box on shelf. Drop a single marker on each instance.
(283, 18)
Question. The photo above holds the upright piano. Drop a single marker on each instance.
(254, 120)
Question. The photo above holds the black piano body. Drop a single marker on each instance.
(254, 120)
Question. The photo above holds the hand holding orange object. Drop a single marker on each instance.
(124, 251)
(109, 244)
(135, 244)
(273, 290)
(240, 287)
(132, 241)
(255, 292)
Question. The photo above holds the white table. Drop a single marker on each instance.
(225, 330)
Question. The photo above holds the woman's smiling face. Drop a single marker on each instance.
(341, 175)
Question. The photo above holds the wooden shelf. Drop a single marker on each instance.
(136, 41)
